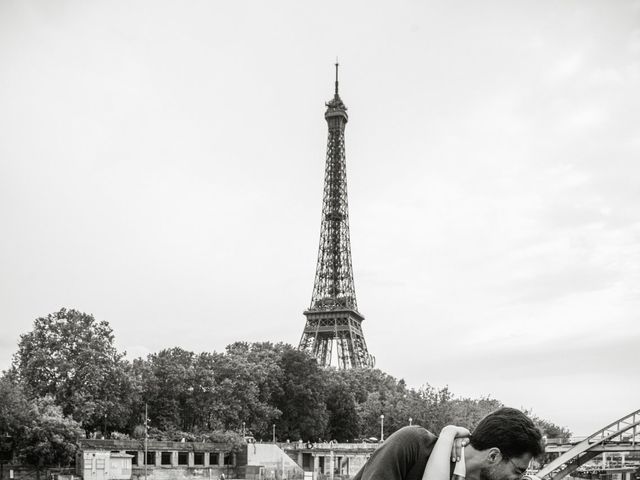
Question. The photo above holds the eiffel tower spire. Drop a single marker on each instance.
(333, 318)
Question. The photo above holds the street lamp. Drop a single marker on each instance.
(382, 428)
(274, 433)
(410, 421)
(242, 429)
(146, 439)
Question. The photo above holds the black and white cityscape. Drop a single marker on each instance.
(274, 240)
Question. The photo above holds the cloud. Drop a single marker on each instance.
(634, 41)
(566, 68)
(607, 77)
(611, 353)
(554, 283)
(573, 215)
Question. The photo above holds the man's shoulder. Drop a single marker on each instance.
(414, 433)
(413, 439)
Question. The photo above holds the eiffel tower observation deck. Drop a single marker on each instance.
(333, 329)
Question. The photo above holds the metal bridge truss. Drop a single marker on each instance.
(621, 435)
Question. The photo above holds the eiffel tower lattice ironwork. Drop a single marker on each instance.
(333, 318)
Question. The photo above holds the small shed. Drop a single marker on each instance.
(120, 466)
(103, 465)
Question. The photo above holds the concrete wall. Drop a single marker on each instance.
(340, 464)
(277, 464)
(183, 473)
(183, 460)
(355, 463)
(23, 472)
(330, 460)
(153, 473)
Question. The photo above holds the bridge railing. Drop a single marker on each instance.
(626, 428)
(328, 446)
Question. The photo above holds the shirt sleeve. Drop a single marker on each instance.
(403, 456)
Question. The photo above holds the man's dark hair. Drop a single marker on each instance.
(511, 431)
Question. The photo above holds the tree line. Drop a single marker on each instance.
(67, 379)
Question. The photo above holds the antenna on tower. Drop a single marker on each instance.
(337, 65)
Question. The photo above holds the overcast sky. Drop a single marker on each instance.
(162, 163)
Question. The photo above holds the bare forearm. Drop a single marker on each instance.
(438, 465)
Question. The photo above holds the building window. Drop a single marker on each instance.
(228, 458)
(183, 458)
(198, 458)
(134, 460)
(213, 458)
(165, 458)
(151, 458)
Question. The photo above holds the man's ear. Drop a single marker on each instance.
(494, 456)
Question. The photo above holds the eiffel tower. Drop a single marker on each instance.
(333, 318)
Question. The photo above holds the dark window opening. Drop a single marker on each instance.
(183, 458)
(151, 458)
(228, 458)
(165, 458)
(134, 460)
(198, 458)
(213, 458)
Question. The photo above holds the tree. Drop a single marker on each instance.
(301, 401)
(168, 386)
(469, 411)
(343, 424)
(50, 438)
(40, 433)
(363, 381)
(204, 401)
(260, 365)
(72, 358)
(550, 429)
(378, 393)
(15, 414)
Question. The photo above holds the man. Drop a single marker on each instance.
(500, 448)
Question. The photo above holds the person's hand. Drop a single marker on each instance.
(456, 450)
(460, 437)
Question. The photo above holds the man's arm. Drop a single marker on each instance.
(445, 451)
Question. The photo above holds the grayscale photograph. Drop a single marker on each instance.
(293, 240)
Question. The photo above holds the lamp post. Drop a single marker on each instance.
(410, 421)
(382, 428)
(243, 430)
(274, 433)
(146, 439)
